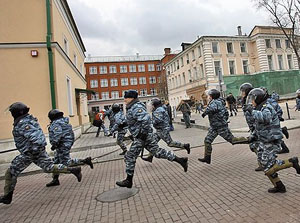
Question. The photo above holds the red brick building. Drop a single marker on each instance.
(110, 77)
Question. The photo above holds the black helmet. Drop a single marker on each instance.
(115, 108)
(258, 95)
(55, 114)
(246, 87)
(214, 93)
(131, 94)
(18, 109)
(156, 102)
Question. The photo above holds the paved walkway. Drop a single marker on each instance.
(228, 190)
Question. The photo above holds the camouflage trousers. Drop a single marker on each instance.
(104, 130)
(267, 154)
(186, 118)
(164, 134)
(149, 144)
(22, 161)
(62, 156)
(120, 140)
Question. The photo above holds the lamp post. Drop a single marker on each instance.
(220, 82)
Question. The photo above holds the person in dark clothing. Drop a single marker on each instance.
(186, 111)
(169, 111)
(232, 104)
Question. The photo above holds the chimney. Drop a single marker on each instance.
(167, 51)
(239, 28)
(185, 46)
(137, 54)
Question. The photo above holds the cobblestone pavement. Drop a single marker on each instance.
(228, 190)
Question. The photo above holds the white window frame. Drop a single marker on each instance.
(93, 85)
(123, 69)
(245, 47)
(268, 47)
(103, 69)
(234, 67)
(151, 67)
(279, 43)
(133, 81)
(103, 82)
(142, 80)
(270, 65)
(141, 68)
(132, 68)
(104, 95)
(153, 91)
(221, 68)
(93, 70)
(158, 67)
(212, 47)
(112, 69)
(248, 68)
(282, 63)
(231, 47)
(143, 92)
(123, 82)
(152, 80)
(115, 94)
(290, 64)
(114, 82)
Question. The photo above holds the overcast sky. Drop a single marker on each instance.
(127, 27)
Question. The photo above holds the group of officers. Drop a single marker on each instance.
(261, 111)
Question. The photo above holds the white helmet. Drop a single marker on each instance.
(298, 91)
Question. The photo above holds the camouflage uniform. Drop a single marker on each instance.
(298, 104)
(119, 120)
(30, 142)
(110, 115)
(160, 120)
(218, 117)
(139, 125)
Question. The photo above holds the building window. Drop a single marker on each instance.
(105, 95)
(195, 73)
(141, 67)
(142, 80)
(95, 96)
(112, 69)
(75, 59)
(159, 80)
(115, 94)
(123, 69)
(245, 67)
(199, 51)
(278, 43)
(114, 82)
(152, 80)
(133, 81)
(104, 83)
(231, 67)
(243, 47)
(270, 62)
(143, 92)
(187, 58)
(229, 48)
(132, 68)
(103, 69)
(201, 70)
(290, 61)
(158, 67)
(268, 43)
(94, 83)
(177, 64)
(66, 46)
(287, 44)
(95, 109)
(69, 96)
(280, 62)
(124, 81)
(93, 70)
(193, 55)
(153, 91)
(215, 47)
(183, 77)
(151, 67)
(190, 76)
(181, 60)
(218, 68)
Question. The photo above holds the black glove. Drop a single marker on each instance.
(142, 136)
(53, 148)
(123, 125)
(252, 138)
(248, 108)
(203, 115)
(281, 119)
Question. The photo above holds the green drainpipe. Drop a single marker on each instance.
(50, 54)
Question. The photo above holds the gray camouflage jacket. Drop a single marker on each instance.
(276, 106)
(160, 118)
(28, 134)
(298, 104)
(217, 113)
(110, 115)
(119, 119)
(138, 120)
(61, 133)
(267, 125)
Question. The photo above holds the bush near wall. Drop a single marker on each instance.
(283, 82)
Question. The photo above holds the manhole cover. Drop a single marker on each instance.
(117, 194)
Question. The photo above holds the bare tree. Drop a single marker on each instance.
(285, 15)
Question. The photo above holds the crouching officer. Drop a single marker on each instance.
(139, 125)
(218, 121)
(269, 136)
(160, 120)
(61, 137)
(30, 142)
(118, 125)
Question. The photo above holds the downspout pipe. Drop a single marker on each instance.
(50, 54)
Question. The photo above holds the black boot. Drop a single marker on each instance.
(285, 132)
(259, 168)
(295, 162)
(125, 183)
(148, 159)
(284, 148)
(182, 161)
(54, 182)
(88, 161)
(187, 147)
(280, 188)
(6, 199)
(123, 153)
(206, 159)
(76, 171)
